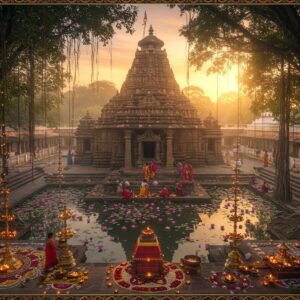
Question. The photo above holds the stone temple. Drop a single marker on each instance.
(150, 119)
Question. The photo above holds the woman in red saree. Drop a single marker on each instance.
(190, 168)
(164, 192)
(184, 171)
(50, 252)
(153, 167)
(126, 194)
(179, 189)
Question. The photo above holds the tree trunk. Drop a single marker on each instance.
(31, 96)
(282, 170)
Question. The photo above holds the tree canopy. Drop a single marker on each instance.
(265, 43)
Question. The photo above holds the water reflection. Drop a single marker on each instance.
(110, 230)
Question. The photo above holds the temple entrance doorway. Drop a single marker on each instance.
(149, 150)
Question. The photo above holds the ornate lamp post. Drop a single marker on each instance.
(234, 261)
(66, 258)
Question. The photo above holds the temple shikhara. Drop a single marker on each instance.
(150, 119)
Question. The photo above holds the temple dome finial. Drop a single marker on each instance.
(151, 41)
(151, 30)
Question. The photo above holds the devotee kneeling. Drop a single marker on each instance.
(164, 192)
(265, 188)
(144, 189)
(179, 189)
(127, 194)
(50, 253)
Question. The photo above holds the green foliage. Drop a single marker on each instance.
(44, 31)
(203, 103)
(227, 106)
(255, 36)
(87, 98)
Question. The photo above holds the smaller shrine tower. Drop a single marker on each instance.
(147, 257)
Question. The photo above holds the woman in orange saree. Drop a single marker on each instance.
(147, 172)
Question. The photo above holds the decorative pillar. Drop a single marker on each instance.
(157, 151)
(128, 163)
(170, 158)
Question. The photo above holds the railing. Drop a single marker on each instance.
(229, 156)
(295, 164)
(24, 158)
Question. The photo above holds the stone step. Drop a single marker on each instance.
(17, 180)
(269, 176)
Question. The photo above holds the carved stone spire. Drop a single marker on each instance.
(150, 95)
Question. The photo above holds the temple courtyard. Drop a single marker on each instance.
(107, 228)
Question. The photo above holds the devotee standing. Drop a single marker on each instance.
(179, 189)
(266, 159)
(164, 192)
(153, 168)
(178, 170)
(147, 171)
(184, 172)
(69, 158)
(190, 170)
(50, 252)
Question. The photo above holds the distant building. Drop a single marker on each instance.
(262, 134)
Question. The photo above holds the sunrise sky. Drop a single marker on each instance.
(166, 23)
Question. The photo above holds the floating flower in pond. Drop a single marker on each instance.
(167, 227)
(160, 219)
(124, 228)
(133, 226)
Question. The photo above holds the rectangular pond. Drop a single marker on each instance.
(110, 230)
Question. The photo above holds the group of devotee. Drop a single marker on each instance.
(184, 171)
